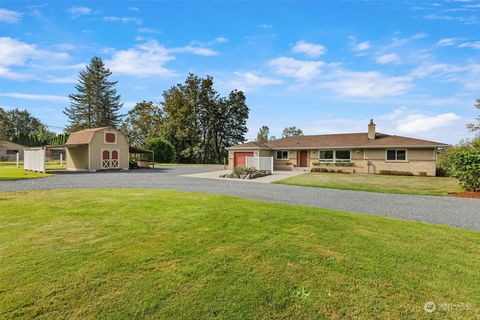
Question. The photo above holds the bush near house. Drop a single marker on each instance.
(163, 150)
(395, 173)
(336, 164)
(465, 166)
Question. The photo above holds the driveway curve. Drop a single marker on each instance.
(457, 212)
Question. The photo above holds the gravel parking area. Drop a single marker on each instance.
(457, 212)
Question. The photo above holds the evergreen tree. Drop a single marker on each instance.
(96, 103)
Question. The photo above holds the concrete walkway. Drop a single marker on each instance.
(215, 175)
(457, 212)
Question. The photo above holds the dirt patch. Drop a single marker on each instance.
(475, 195)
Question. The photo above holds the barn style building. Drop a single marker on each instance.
(97, 149)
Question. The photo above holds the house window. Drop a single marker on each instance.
(326, 156)
(335, 156)
(12, 151)
(110, 137)
(282, 155)
(396, 155)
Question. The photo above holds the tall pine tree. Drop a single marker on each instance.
(96, 103)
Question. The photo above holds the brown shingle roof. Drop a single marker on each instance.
(251, 145)
(82, 136)
(344, 140)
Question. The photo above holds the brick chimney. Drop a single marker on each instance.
(371, 130)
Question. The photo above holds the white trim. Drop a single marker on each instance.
(110, 160)
(406, 155)
(282, 151)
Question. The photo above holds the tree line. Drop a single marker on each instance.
(193, 117)
(263, 135)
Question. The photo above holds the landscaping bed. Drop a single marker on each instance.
(466, 194)
(246, 173)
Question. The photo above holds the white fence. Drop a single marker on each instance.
(34, 159)
(260, 163)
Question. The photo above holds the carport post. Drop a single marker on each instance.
(18, 159)
(153, 158)
(61, 159)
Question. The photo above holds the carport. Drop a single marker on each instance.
(141, 158)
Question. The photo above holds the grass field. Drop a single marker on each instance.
(377, 183)
(163, 255)
(14, 173)
(9, 171)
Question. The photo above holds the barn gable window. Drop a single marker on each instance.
(110, 137)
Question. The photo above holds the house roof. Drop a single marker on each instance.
(251, 145)
(83, 136)
(344, 140)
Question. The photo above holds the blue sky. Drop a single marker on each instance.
(325, 67)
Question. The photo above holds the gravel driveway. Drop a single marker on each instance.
(462, 213)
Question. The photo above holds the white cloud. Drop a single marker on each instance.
(299, 69)
(38, 97)
(218, 40)
(149, 30)
(18, 53)
(367, 84)
(418, 123)
(147, 59)
(265, 26)
(362, 46)
(474, 45)
(310, 49)
(201, 51)
(150, 58)
(122, 19)
(51, 79)
(387, 58)
(249, 81)
(9, 16)
(79, 11)
(134, 9)
(9, 74)
(446, 42)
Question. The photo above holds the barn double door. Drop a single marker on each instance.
(110, 159)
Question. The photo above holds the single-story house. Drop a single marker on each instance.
(367, 152)
(97, 149)
(9, 150)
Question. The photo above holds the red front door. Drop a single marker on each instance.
(303, 159)
(239, 158)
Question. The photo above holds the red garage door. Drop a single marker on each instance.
(239, 158)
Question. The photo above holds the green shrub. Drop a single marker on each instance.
(466, 167)
(422, 173)
(344, 164)
(243, 170)
(395, 173)
(319, 170)
(163, 150)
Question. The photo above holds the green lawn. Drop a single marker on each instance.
(376, 183)
(11, 172)
(163, 255)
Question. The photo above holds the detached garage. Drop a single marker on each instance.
(97, 149)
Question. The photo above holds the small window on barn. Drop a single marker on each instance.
(110, 137)
(12, 151)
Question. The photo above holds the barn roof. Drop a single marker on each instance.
(83, 136)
